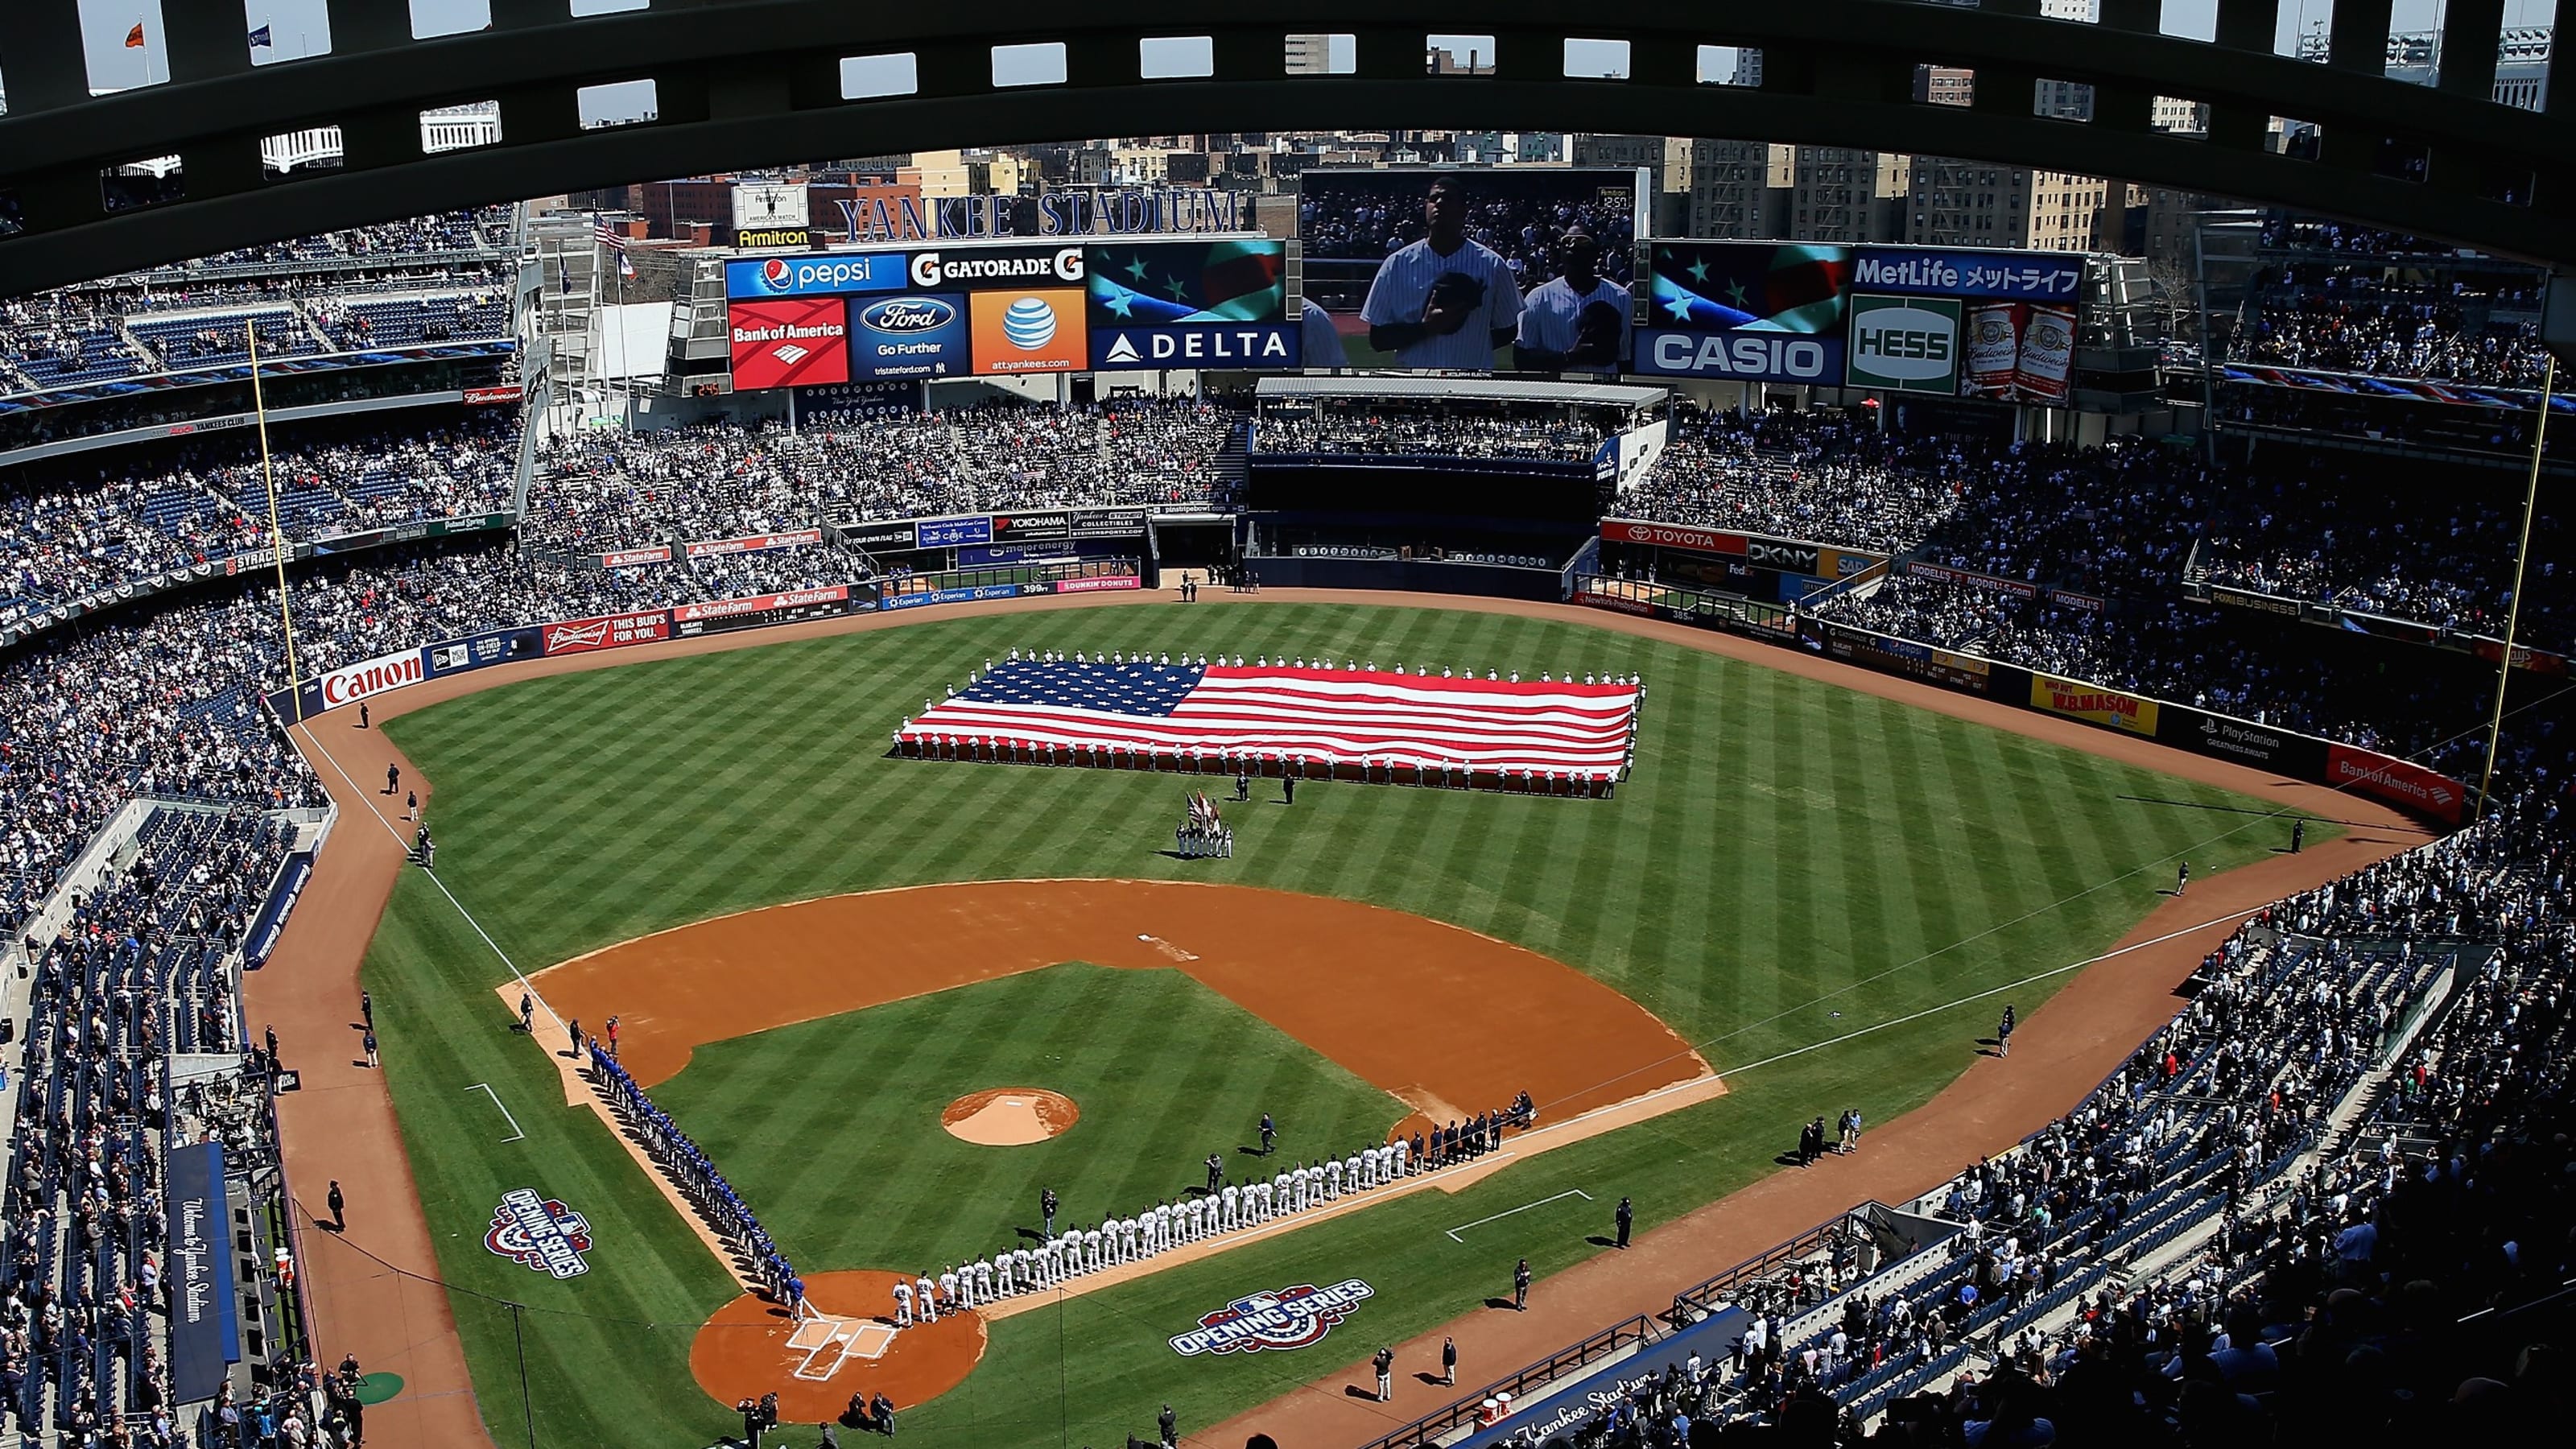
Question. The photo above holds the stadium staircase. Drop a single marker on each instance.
(1234, 460)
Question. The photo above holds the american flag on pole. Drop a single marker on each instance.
(1285, 713)
(609, 236)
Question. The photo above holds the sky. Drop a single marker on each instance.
(302, 27)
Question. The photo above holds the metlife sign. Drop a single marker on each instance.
(1935, 272)
(1227, 344)
(1904, 344)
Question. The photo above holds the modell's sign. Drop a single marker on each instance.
(755, 543)
(375, 676)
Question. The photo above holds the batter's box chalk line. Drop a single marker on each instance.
(827, 1341)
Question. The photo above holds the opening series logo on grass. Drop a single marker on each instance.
(539, 1233)
(1292, 1317)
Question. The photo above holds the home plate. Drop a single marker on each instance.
(1166, 947)
(827, 1342)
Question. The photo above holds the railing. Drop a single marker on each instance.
(1431, 1428)
(1707, 1297)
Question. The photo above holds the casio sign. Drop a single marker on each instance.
(901, 316)
(1741, 354)
(1905, 343)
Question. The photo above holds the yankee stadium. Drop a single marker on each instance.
(1631, 732)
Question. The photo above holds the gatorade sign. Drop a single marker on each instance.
(1904, 344)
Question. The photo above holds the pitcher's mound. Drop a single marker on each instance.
(1010, 1116)
(848, 1346)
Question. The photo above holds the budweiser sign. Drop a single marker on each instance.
(758, 603)
(484, 397)
(608, 631)
(755, 543)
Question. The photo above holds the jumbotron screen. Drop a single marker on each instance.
(1009, 310)
(1466, 270)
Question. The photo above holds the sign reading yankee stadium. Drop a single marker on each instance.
(1291, 1317)
(1159, 210)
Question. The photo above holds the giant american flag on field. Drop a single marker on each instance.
(1320, 713)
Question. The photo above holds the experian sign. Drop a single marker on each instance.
(819, 274)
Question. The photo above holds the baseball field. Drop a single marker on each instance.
(1793, 865)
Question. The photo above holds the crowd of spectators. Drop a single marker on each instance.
(1368, 222)
(72, 529)
(431, 279)
(1818, 476)
(724, 480)
(2423, 330)
(1372, 433)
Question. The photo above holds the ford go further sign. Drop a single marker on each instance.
(1291, 1317)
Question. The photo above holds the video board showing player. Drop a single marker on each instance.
(1438, 269)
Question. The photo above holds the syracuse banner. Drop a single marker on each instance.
(2093, 704)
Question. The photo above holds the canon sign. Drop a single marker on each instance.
(373, 677)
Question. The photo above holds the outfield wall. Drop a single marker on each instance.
(2402, 783)
(353, 683)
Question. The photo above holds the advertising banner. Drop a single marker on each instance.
(916, 334)
(1098, 584)
(950, 532)
(1272, 345)
(205, 1318)
(607, 631)
(790, 343)
(1672, 535)
(1561, 1412)
(485, 397)
(978, 594)
(2018, 588)
(1962, 672)
(2019, 351)
(2399, 782)
(2093, 704)
(1753, 311)
(270, 923)
(889, 534)
(1904, 344)
(635, 558)
(1028, 527)
(2197, 730)
(480, 651)
(1108, 522)
(1943, 272)
(982, 269)
(820, 274)
(1024, 332)
(365, 680)
(754, 543)
(692, 620)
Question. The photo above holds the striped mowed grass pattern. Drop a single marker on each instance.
(1164, 1070)
(1791, 861)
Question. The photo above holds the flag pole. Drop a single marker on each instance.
(2521, 558)
(276, 533)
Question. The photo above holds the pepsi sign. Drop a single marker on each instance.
(814, 274)
(913, 335)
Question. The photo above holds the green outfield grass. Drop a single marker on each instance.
(1164, 1070)
(1792, 862)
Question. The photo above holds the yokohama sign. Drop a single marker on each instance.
(376, 676)
(609, 631)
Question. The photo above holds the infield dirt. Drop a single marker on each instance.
(375, 1292)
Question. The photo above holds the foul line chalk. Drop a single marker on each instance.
(1524, 1207)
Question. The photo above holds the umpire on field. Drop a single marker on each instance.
(1446, 301)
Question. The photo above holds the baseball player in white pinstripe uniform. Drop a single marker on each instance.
(1445, 301)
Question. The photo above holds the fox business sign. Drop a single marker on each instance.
(1904, 344)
